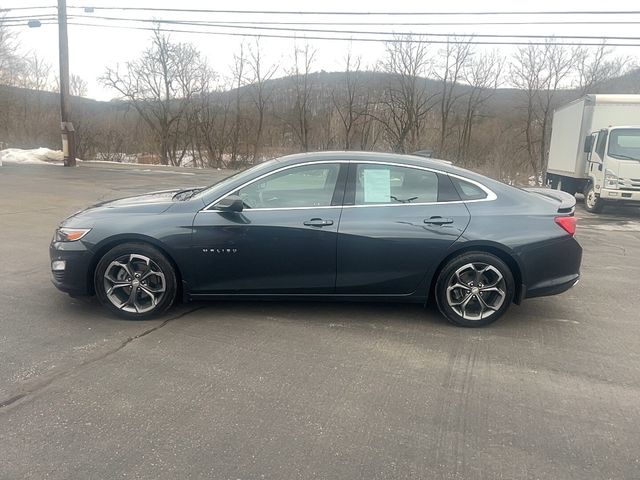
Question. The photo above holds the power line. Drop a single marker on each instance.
(378, 23)
(298, 12)
(25, 24)
(357, 32)
(478, 23)
(4, 20)
(26, 8)
(355, 39)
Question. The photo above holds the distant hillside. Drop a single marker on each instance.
(627, 83)
(503, 98)
(212, 132)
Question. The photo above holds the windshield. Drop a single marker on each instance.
(624, 144)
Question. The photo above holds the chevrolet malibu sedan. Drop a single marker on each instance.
(332, 225)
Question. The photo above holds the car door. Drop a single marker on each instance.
(284, 240)
(396, 226)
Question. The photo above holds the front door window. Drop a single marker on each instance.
(304, 186)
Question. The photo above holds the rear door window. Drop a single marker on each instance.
(386, 184)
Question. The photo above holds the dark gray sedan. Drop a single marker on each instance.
(331, 225)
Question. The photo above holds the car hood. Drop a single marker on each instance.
(149, 203)
(153, 201)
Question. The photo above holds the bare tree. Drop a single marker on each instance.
(36, 73)
(160, 86)
(540, 70)
(214, 123)
(596, 67)
(482, 74)
(303, 59)
(239, 66)
(405, 102)
(259, 95)
(453, 60)
(559, 61)
(78, 86)
(10, 62)
(347, 101)
(526, 71)
(369, 131)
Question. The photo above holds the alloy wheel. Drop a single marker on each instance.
(134, 283)
(476, 291)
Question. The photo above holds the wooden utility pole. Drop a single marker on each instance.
(68, 133)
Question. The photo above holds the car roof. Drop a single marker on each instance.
(351, 155)
(405, 159)
(355, 156)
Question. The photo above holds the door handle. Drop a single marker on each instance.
(318, 222)
(437, 220)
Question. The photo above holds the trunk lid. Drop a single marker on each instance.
(566, 203)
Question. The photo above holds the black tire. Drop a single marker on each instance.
(152, 275)
(592, 203)
(485, 305)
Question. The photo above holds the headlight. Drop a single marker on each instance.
(65, 234)
(610, 179)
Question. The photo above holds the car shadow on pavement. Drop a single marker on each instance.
(371, 315)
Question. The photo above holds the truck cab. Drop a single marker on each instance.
(613, 166)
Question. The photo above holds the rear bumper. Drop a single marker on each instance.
(74, 277)
(551, 268)
(553, 286)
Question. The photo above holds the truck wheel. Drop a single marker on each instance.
(592, 203)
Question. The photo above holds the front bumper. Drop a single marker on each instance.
(611, 195)
(75, 277)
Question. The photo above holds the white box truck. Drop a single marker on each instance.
(595, 149)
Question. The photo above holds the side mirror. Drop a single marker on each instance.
(230, 203)
(588, 144)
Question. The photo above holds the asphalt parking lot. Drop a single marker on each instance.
(308, 390)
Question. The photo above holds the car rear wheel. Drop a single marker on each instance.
(592, 202)
(135, 281)
(474, 289)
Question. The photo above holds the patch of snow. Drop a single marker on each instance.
(36, 156)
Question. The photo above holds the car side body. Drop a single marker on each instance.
(344, 249)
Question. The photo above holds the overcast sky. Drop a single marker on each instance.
(92, 49)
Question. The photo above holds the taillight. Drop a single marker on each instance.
(568, 224)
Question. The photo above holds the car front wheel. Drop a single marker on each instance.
(474, 289)
(135, 281)
(592, 202)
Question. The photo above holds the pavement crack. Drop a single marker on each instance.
(38, 387)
